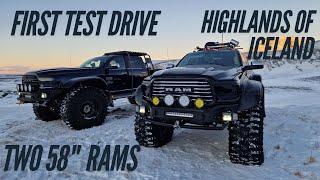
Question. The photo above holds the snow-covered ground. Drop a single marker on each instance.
(291, 136)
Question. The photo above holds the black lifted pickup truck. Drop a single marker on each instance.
(80, 96)
(210, 89)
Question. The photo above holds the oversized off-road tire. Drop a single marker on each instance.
(246, 137)
(84, 107)
(132, 100)
(151, 135)
(45, 113)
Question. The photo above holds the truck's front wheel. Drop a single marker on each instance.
(84, 107)
(45, 113)
(151, 135)
(246, 137)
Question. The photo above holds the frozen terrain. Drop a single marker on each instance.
(291, 136)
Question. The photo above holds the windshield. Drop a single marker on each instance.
(226, 58)
(94, 62)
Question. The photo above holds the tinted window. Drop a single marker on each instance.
(118, 62)
(211, 58)
(136, 62)
(94, 62)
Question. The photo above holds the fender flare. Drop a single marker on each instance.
(96, 81)
(256, 77)
(138, 96)
(252, 90)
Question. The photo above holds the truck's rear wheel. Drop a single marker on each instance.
(151, 135)
(246, 137)
(84, 107)
(45, 113)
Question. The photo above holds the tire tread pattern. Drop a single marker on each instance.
(150, 135)
(72, 98)
(246, 137)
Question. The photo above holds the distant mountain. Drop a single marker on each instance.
(15, 69)
(161, 64)
(316, 51)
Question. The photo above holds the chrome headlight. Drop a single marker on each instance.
(45, 79)
(146, 81)
(49, 84)
(184, 100)
(168, 100)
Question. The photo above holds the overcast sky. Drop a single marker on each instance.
(178, 30)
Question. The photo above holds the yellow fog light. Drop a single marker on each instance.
(199, 103)
(155, 101)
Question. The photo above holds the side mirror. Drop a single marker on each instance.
(252, 67)
(169, 65)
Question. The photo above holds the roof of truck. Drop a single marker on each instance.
(131, 53)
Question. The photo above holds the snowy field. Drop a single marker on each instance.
(291, 136)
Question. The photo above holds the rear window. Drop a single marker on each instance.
(136, 62)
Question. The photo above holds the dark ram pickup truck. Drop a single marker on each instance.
(80, 96)
(210, 89)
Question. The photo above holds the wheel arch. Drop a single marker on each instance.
(256, 77)
(138, 94)
(252, 91)
(86, 81)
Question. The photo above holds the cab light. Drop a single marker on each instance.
(155, 101)
(199, 103)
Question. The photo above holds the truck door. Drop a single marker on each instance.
(138, 70)
(117, 75)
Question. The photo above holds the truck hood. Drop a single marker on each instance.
(211, 72)
(65, 73)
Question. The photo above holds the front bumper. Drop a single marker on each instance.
(35, 97)
(209, 115)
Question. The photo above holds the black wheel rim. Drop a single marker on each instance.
(89, 110)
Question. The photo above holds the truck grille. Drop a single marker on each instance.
(29, 79)
(30, 83)
(194, 88)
